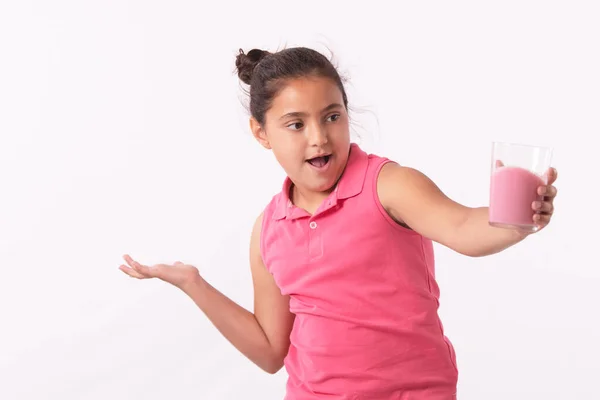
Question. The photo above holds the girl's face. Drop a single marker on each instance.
(307, 128)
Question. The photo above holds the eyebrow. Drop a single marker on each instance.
(301, 114)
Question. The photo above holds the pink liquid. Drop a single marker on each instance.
(512, 192)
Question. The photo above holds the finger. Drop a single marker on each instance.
(542, 219)
(139, 268)
(128, 260)
(149, 272)
(552, 175)
(543, 207)
(548, 191)
(132, 273)
(499, 164)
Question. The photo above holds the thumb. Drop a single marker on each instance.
(551, 175)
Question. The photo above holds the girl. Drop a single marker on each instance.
(342, 258)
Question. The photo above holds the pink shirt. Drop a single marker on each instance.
(364, 294)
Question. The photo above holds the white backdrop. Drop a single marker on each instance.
(123, 131)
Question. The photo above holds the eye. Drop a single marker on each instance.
(295, 125)
(333, 117)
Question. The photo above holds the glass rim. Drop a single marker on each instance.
(529, 146)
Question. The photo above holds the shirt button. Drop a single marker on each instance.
(313, 225)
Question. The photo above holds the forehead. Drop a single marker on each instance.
(310, 94)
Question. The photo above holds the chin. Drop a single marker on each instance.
(322, 184)
(323, 188)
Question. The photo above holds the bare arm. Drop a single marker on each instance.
(262, 336)
(412, 198)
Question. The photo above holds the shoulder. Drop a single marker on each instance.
(401, 188)
(392, 175)
(396, 182)
(255, 236)
(388, 170)
(273, 207)
(265, 214)
(258, 223)
(261, 222)
(410, 196)
(389, 173)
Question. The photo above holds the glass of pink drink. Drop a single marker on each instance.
(518, 170)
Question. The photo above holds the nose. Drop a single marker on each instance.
(317, 135)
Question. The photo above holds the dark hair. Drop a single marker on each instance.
(267, 72)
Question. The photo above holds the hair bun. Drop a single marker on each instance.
(245, 63)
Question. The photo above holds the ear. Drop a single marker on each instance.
(259, 133)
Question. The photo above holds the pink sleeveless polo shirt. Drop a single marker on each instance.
(364, 294)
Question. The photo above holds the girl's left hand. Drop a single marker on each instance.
(544, 209)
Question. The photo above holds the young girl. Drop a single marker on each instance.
(342, 258)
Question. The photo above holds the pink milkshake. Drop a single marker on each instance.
(512, 192)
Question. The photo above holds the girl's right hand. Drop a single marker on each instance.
(178, 274)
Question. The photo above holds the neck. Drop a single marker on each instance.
(308, 200)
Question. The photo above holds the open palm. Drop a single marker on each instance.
(177, 274)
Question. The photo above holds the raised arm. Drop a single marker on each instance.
(413, 199)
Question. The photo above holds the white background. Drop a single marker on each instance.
(123, 131)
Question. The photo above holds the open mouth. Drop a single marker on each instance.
(319, 162)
